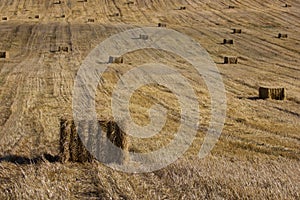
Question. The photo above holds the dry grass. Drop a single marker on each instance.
(211, 178)
(258, 155)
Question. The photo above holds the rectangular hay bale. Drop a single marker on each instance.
(239, 31)
(230, 60)
(281, 35)
(4, 18)
(72, 148)
(272, 93)
(227, 41)
(162, 25)
(4, 54)
(144, 37)
(129, 3)
(116, 60)
(115, 15)
(63, 48)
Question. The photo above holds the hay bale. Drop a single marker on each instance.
(182, 8)
(4, 18)
(53, 48)
(239, 31)
(230, 60)
(63, 48)
(91, 20)
(231, 7)
(162, 25)
(57, 2)
(129, 3)
(73, 150)
(272, 93)
(37, 16)
(116, 60)
(287, 5)
(4, 54)
(144, 37)
(115, 15)
(71, 146)
(280, 35)
(119, 139)
(63, 16)
(226, 41)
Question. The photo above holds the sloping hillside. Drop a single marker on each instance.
(258, 154)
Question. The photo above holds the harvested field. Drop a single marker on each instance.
(258, 153)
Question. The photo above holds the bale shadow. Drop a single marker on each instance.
(220, 63)
(254, 98)
(22, 160)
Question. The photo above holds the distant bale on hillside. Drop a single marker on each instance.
(227, 41)
(282, 35)
(236, 31)
(4, 54)
(230, 60)
(144, 37)
(129, 3)
(116, 60)
(57, 2)
(272, 93)
(162, 25)
(115, 15)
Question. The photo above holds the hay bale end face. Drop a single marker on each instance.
(226, 41)
(71, 146)
(230, 60)
(73, 150)
(116, 60)
(4, 54)
(281, 35)
(272, 93)
(237, 31)
(117, 138)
